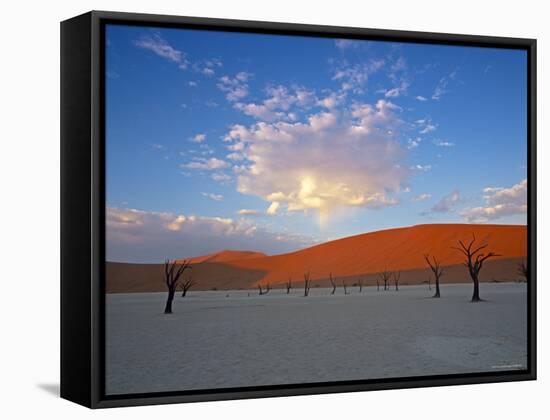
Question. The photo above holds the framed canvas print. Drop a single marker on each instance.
(256, 209)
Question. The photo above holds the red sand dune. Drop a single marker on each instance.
(394, 249)
(354, 257)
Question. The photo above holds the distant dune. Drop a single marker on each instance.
(225, 256)
(350, 259)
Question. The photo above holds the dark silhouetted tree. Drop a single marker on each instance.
(396, 278)
(360, 285)
(171, 278)
(474, 261)
(332, 283)
(288, 285)
(307, 283)
(264, 291)
(523, 270)
(437, 271)
(186, 285)
(385, 276)
(345, 286)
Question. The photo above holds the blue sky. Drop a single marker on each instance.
(225, 140)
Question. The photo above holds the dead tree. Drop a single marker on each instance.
(377, 284)
(385, 276)
(474, 261)
(307, 284)
(345, 286)
(171, 278)
(523, 270)
(288, 285)
(360, 285)
(396, 278)
(437, 271)
(264, 291)
(332, 283)
(186, 285)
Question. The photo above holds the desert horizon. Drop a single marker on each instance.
(351, 259)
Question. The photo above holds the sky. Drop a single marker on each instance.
(218, 140)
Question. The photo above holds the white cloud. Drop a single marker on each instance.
(207, 67)
(220, 177)
(398, 90)
(421, 98)
(249, 212)
(273, 207)
(235, 88)
(422, 168)
(212, 196)
(348, 44)
(338, 158)
(392, 93)
(331, 101)
(421, 197)
(146, 236)
(198, 138)
(413, 143)
(192, 83)
(441, 87)
(206, 164)
(443, 143)
(160, 47)
(235, 156)
(354, 77)
(428, 128)
(499, 202)
(277, 104)
(447, 204)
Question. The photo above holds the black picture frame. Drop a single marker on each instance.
(83, 208)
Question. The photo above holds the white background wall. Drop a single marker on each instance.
(29, 221)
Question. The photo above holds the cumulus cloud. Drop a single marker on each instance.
(206, 164)
(145, 236)
(162, 48)
(337, 158)
(499, 202)
(421, 98)
(277, 104)
(236, 87)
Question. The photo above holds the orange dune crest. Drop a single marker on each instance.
(393, 249)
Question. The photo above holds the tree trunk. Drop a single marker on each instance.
(168, 307)
(437, 288)
(184, 292)
(475, 296)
